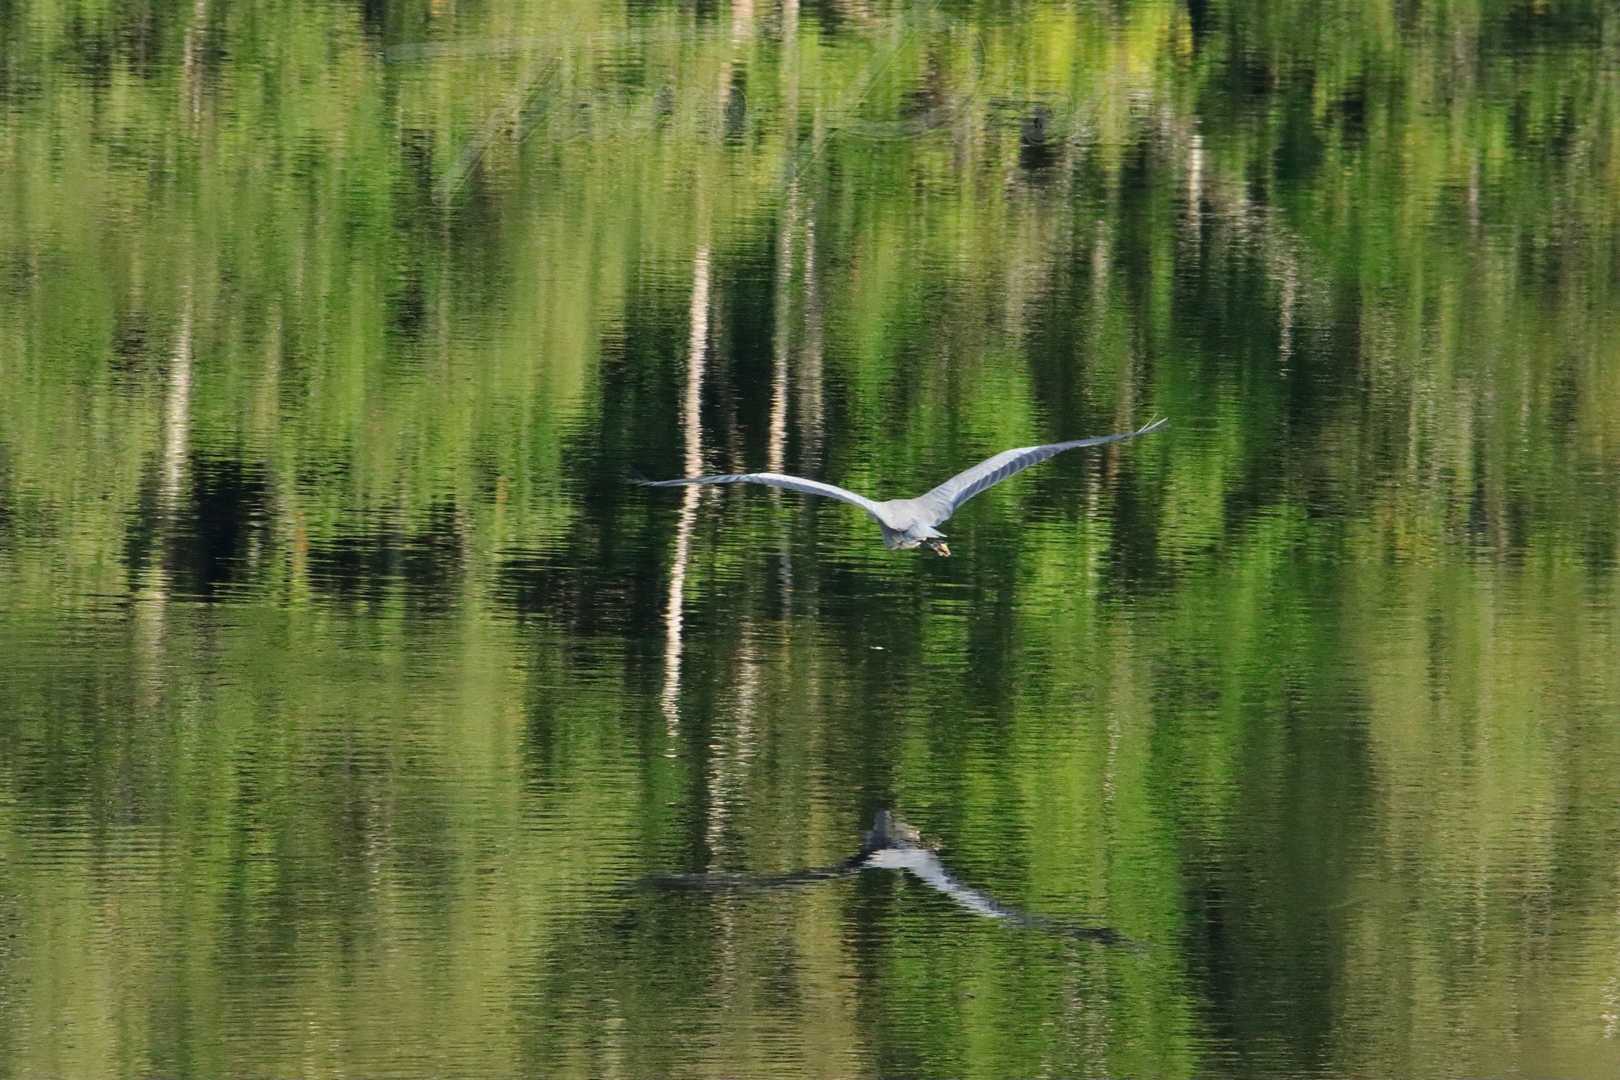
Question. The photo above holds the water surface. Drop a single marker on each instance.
(349, 694)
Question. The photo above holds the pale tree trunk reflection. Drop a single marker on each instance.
(692, 462)
(812, 407)
(190, 82)
(776, 450)
(152, 591)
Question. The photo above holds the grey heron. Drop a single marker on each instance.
(910, 523)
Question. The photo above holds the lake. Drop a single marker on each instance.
(360, 717)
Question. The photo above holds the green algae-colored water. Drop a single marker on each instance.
(349, 695)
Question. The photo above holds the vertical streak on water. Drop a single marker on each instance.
(1099, 268)
(1195, 191)
(729, 751)
(742, 18)
(1611, 989)
(784, 280)
(1473, 197)
(810, 390)
(153, 592)
(790, 38)
(1125, 398)
(729, 757)
(779, 364)
(151, 595)
(190, 84)
(777, 450)
(177, 413)
(1285, 314)
(691, 423)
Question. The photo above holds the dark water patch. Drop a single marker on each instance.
(419, 564)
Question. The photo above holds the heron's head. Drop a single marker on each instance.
(938, 546)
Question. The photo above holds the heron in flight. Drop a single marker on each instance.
(910, 523)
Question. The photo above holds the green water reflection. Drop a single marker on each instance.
(348, 690)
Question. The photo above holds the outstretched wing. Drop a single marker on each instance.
(777, 480)
(964, 485)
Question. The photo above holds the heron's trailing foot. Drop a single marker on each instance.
(939, 547)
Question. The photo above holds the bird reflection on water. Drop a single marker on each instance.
(893, 844)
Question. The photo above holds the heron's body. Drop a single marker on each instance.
(911, 523)
(905, 523)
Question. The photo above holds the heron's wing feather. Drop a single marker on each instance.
(777, 480)
(964, 485)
